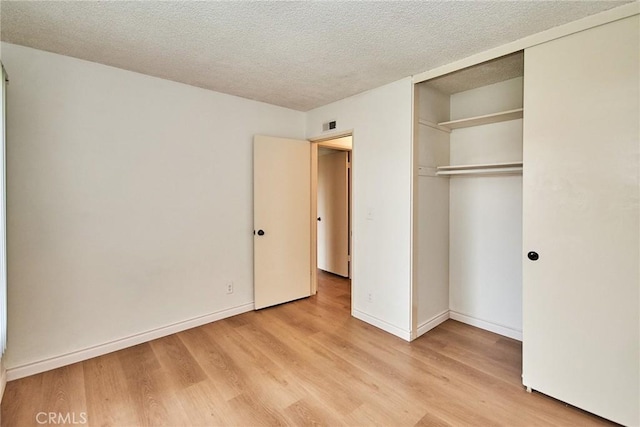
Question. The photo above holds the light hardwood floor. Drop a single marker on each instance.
(304, 363)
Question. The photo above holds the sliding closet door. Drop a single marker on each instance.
(580, 187)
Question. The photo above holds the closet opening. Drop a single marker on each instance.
(468, 198)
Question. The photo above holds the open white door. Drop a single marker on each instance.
(333, 212)
(281, 212)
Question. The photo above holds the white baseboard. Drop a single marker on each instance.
(22, 371)
(425, 327)
(488, 326)
(378, 323)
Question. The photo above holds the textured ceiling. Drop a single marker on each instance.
(299, 55)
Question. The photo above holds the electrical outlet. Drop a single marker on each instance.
(229, 287)
(370, 296)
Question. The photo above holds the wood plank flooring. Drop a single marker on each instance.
(304, 363)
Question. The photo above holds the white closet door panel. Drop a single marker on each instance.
(581, 322)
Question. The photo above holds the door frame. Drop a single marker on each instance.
(326, 142)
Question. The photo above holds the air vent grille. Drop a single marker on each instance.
(329, 126)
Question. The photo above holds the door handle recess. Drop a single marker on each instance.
(533, 256)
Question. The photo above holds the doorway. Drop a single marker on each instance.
(331, 207)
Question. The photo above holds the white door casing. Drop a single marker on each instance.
(282, 208)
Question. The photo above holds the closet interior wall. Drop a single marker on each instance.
(433, 210)
(469, 220)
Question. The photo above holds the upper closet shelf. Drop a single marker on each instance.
(491, 168)
(483, 120)
(435, 126)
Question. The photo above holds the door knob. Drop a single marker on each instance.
(533, 256)
(260, 232)
(319, 219)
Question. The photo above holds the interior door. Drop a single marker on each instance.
(581, 325)
(281, 211)
(333, 212)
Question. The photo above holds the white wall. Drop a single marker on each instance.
(381, 120)
(432, 218)
(433, 251)
(3, 237)
(129, 202)
(485, 258)
(485, 253)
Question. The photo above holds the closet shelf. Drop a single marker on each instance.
(434, 125)
(489, 168)
(483, 120)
